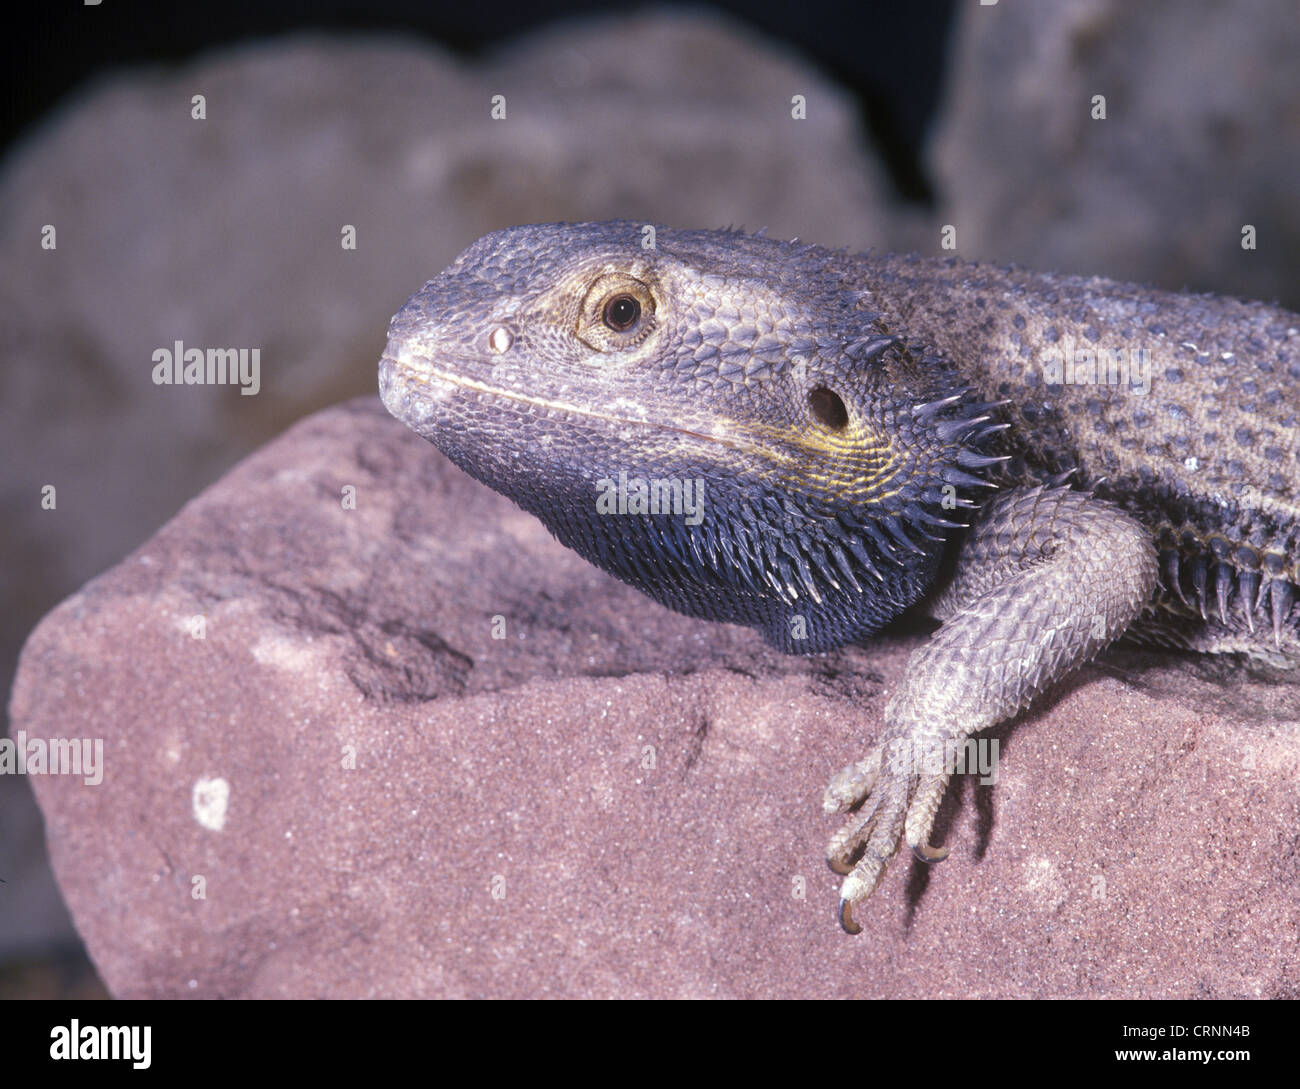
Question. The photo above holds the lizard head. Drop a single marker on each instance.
(718, 418)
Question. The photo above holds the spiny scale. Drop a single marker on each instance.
(1235, 589)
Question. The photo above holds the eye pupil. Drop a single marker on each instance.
(622, 312)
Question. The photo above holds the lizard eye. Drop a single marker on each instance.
(828, 408)
(617, 312)
(621, 313)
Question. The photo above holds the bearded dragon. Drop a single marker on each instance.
(1043, 463)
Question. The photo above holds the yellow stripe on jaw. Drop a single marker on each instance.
(844, 463)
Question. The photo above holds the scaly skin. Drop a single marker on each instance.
(872, 434)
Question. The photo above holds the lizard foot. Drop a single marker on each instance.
(897, 800)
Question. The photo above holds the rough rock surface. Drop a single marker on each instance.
(613, 800)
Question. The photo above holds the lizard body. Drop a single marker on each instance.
(1044, 463)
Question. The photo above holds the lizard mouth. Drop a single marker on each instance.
(857, 467)
(412, 388)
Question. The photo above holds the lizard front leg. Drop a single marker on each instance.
(1047, 577)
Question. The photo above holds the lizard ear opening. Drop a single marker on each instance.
(828, 408)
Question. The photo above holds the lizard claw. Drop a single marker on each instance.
(846, 918)
(852, 893)
(898, 800)
(839, 865)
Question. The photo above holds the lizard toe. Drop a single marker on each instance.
(901, 797)
(852, 784)
(877, 829)
(862, 881)
(853, 833)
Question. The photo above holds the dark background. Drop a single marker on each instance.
(895, 75)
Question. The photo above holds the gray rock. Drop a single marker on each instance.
(1202, 136)
(612, 800)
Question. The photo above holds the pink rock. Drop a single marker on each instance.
(376, 797)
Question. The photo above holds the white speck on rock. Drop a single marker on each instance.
(208, 801)
(290, 655)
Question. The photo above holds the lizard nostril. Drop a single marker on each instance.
(828, 408)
